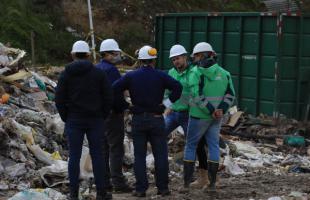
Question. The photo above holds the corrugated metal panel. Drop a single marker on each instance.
(266, 54)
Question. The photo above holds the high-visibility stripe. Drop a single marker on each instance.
(218, 98)
(229, 96)
(229, 102)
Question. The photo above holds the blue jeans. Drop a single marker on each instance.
(75, 130)
(175, 119)
(210, 130)
(148, 128)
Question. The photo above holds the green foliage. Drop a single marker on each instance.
(21, 17)
(130, 22)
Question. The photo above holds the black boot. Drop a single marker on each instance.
(188, 175)
(74, 194)
(103, 195)
(202, 154)
(212, 172)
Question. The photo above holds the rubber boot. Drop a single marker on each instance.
(202, 179)
(103, 195)
(74, 194)
(188, 170)
(202, 154)
(212, 173)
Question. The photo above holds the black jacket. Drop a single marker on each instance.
(83, 91)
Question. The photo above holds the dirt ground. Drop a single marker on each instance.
(252, 186)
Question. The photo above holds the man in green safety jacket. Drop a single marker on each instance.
(177, 113)
(212, 93)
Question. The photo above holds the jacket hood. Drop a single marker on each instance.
(210, 72)
(79, 67)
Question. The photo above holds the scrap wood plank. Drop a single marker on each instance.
(234, 119)
(17, 76)
(11, 79)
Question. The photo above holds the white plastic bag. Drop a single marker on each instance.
(86, 168)
(230, 166)
(55, 174)
(43, 156)
(39, 194)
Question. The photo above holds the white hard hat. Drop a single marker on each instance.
(109, 45)
(177, 50)
(80, 47)
(147, 52)
(202, 47)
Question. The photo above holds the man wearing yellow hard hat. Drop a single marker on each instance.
(146, 86)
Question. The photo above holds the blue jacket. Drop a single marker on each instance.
(146, 86)
(113, 75)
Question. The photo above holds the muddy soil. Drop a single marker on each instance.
(255, 185)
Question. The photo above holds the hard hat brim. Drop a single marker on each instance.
(105, 50)
(174, 55)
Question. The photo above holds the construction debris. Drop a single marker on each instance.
(34, 152)
(9, 57)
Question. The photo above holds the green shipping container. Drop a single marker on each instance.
(268, 54)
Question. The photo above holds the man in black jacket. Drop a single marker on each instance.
(114, 125)
(84, 100)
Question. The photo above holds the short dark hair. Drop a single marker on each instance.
(104, 53)
(81, 55)
(147, 61)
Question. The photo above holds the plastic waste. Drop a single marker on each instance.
(44, 156)
(295, 141)
(299, 169)
(16, 170)
(86, 168)
(39, 194)
(275, 198)
(231, 167)
(55, 174)
(248, 150)
(24, 131)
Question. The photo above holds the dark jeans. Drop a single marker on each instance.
(75, 130)
(175, 119)
(150, 128)
(114, 149)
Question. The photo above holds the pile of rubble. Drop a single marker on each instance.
(32, 148)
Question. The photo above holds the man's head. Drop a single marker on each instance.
(147, 56)
(110, 51)
(203, 53)
(178, 57)
(80, 50)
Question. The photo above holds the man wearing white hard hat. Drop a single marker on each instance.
(147, 86)
(84, 100)
(114, 148)
(212, 94)
(177, 114)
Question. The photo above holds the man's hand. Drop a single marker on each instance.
(168, 111)
(217, 114)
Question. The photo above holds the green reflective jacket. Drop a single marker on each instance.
(210, 88)
(183, 78)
